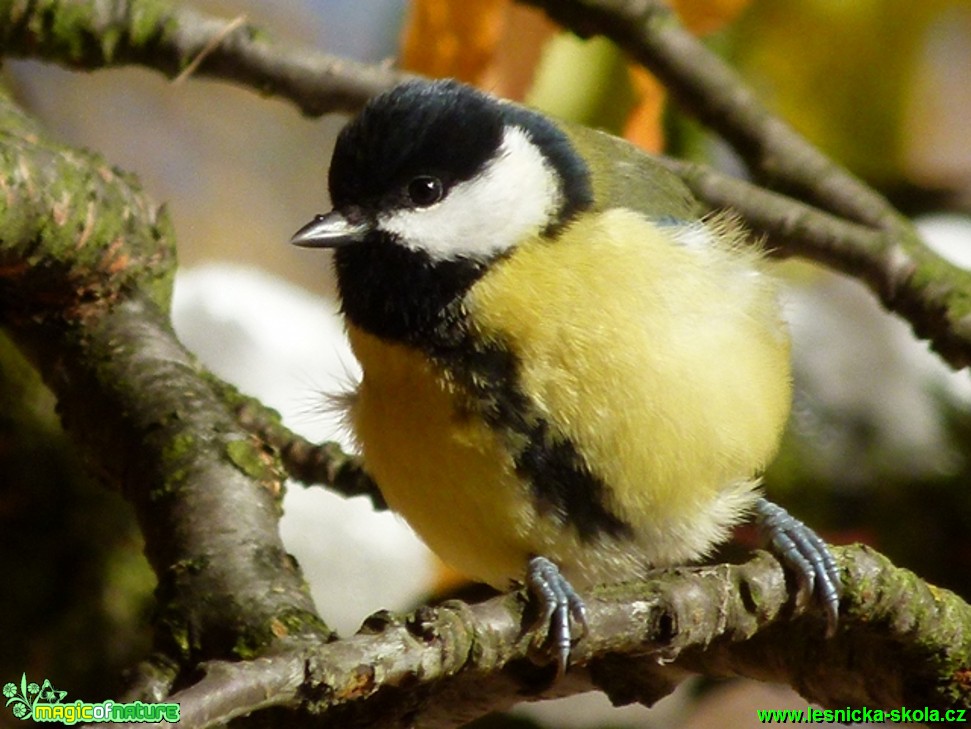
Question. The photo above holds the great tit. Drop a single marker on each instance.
(569, 375)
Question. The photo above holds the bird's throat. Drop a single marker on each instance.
(403, 295)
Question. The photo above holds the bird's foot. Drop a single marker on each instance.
(801, 549)
(560, 608)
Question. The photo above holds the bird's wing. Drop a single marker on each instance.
(629, 177)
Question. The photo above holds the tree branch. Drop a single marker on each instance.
(650, 32)
(908, 278)
(86, 266)
(910, 641)
(311, 463)
(155, 34)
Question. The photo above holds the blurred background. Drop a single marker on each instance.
(879, 443)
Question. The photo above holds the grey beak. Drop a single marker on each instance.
(332, 230)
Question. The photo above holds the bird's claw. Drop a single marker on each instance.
(560, 608)
(801, 549)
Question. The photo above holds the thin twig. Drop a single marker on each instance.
(311, 463)
(210, 46)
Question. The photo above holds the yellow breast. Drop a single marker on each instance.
(664, 364)
(446, 473)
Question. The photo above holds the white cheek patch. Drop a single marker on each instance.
(515, 195)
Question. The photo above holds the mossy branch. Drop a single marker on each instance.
(900, 643)
(175, 38)
(86, 266)
(311, 463)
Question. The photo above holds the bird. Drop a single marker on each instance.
(571, 373)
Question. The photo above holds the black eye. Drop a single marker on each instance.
(425, 191)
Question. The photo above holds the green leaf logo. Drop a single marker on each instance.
(26, 696)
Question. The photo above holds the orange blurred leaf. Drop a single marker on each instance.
(496, 45)
(524, 36)
(644, 126)
(448, 38)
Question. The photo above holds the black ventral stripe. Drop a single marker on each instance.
(561, 483)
